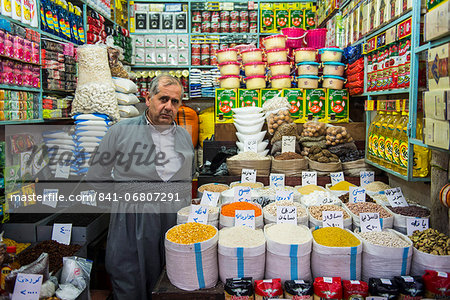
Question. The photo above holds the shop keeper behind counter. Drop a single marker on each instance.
(326, 105)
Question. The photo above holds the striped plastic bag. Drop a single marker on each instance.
(194, 266)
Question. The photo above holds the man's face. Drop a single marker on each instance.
(163, 107)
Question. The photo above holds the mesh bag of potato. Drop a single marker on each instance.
(338, 135)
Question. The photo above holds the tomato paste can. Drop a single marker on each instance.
(215, 27)
(243, 26)
(196, 27)
(204, 60)
(205, 49)
(253, 16)
(195, 60)
(243, 15)
(234, 26)
(206, 26)
(223, 46)
(206, 16)
(215, 16)
(253, 27)
(225, 27)
(195, 48)
(196, 16)
(225, 16)
(234, 15)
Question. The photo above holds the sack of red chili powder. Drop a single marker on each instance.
(437, 284)
(327, 288)
(355, 289)
(268, 288)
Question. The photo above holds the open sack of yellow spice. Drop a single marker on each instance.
(336, 252)
(191, 256)
(342, 186)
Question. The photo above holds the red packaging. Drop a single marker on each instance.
(18, 48)
(269, 288)
(328, 287)
(243, 26)
(196, 27)
(214, 48)
(204, 60)
(223, 46)
(206, 16)
(354, 288)
(215, 27)
(234, 15)
(437, 284)
(234, 26)
(2, 42)
(195, 60)
(243, 15)
(253, 27)
(224, 16)
(215, 16)
(206, 26)
(195, 48)
(253, 16)
(196, 16)
(225, 27)
(205, 49)
(356, 77)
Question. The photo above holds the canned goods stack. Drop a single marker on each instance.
(225, 21)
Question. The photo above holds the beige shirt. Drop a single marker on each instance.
(165, 142)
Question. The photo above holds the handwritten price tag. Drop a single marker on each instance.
(366, 177)
(395, 197)
(245, 218)
(288, 144)
(62, 233)
(242, 194)
(309, 178)
(27, 287)
(287, 214)
(251, 146)
(326, 200)
(333, 219)
(209, 199)
(276, 180)
(62, 171)
(370, 222)
(336, 177)
(248, 175)
(357, 194)
(284, 195)
(50, 197)
(199, 214)
(413, 224)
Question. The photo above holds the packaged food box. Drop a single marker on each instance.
(315, 104)
(437, 104)
(438, 68)
(437, 22)
(295, 99)
(282, 18)
(310, 18)
(226, 99)
(267, 94)
(296, 18)
(337, 106)
(249, 98)
(267, 23)
(437, 133)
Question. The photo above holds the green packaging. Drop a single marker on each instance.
(226, 99)
(337, 106)
(295, 99)
(315, 104)
(249, 98)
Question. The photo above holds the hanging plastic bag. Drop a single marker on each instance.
(75, 277)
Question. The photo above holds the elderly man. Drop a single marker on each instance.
(144, 168)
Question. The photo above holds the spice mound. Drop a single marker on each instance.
(253, 185)
(285, 233)
(410, 211)
(316, 211)
(288, 156)
(229, 210)
(186, 211)
(213, 188)
(308, 189)
(55, 250)
(367, 207)
(376, 186)
(431, 241)
(241, 236)
(385, 238)
(320, 197)
(190, 233)
(342, 186)
(335, 237)
(272, 207)
(249, 155)
(345, 198)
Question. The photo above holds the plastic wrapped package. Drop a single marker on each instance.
(355, 290)
(269, 288)
(298, 289)
(384, 288)
(411, 287)
(437, 284)
(327, 288)
(277, 113)
(39, 266)
(75, 277)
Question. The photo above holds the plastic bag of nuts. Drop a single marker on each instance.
(338, 135)
(277, 113)
(314, 129)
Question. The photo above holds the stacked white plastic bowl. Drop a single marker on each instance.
(249, 122)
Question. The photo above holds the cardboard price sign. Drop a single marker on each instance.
(356, 194)
(288, 144)
(244, 218)
(413, 224)
(199, 214)
(395, 197)
(62, 233)
(284, 195)
(309, 178)
(248, 175)
(27, 287)
(366, 177)
(242, 194)
(333, 219)
(276, 180)
(287, 214)
(336, 177)
(210, 199)
(370, 222)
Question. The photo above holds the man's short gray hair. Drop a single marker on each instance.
(165, 79)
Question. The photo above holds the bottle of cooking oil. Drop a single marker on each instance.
(376, 136)
(398, 128)
(388, 143)
(370, 151)
(382, 140)
(422, 155)
(402, 136)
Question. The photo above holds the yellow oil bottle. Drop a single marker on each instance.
(402, 137)
(398, 130)
(376, 135)
(422, 155)
(388, 143)
(382, 140)
(371, 153)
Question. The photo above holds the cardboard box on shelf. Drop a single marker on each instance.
(437, 133)
(437, 22)
(337, 103)
(226, 99)
(154, 22)
(437, 104)
(315, 104)
(296, 100)
(267, 94)
(150, 41)
(438, 68)
(249, 98)
(139, 41)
